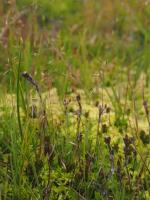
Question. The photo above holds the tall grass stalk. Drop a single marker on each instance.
(18, 96)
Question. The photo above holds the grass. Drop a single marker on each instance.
(74, 106)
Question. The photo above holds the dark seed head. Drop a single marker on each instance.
(107, 140)
(104, 128)
(97, 104)
(78, 97)
(86, 114)
(108, 110)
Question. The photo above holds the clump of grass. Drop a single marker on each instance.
(83, 152)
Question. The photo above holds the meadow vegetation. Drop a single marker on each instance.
(74, 99)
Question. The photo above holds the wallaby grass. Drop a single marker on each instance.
(74, 106)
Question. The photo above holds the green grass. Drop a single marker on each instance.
(74, 106)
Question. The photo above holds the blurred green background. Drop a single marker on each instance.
(64, 43)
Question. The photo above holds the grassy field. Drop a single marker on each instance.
(74, 100)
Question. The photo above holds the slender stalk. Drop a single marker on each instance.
(18, 98)
(146, 109)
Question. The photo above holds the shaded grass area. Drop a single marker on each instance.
(74, 107)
